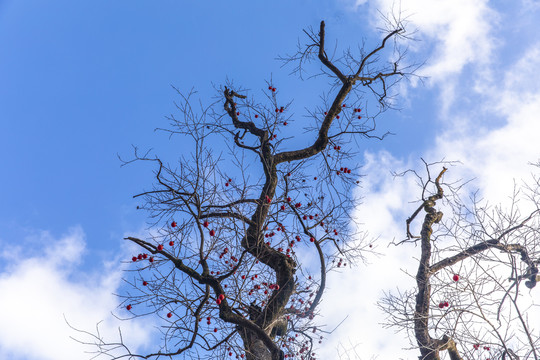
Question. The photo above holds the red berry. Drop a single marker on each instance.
(285, 123)
(273, 89)
(144, 283)
(455, 277)
(171, 243)
(144, 256)
(218, 302)
(173, 224)
(139, 257)
(441, 305)
(212, 233)
(359, 117)
(160, 247)
(169, 315)
(128, 307)
(256, 116)
(134, 258)
(226, 184)
(269, 88)
(221, 297)
(238, 113)
(315, 178)
(326, 113)
(282, 207)
(151, 259)
(215, 329)
(312, 239)
(205, 224)
(337, 116)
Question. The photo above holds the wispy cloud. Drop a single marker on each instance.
(497, 142)
(454, 35)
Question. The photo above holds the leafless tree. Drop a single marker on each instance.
(243, 240)
(469, 301)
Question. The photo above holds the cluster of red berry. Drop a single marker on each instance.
(443, 304)
(343, 170)
(220, 298)
(477, 346)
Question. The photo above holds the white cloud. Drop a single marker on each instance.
(453, 34)
(492, 127)
(498, 154)
(40, 289)
(355, 292)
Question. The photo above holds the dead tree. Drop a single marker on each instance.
(469, 300)
(225, 266)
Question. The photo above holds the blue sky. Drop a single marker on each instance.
(81, 81)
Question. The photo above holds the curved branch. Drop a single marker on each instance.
(324, 58)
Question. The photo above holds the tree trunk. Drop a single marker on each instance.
(255, 348)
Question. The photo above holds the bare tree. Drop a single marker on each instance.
(242, 241)
(469, 299)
